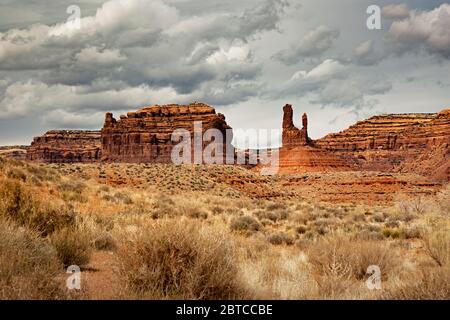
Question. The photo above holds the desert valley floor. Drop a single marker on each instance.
(219, 232)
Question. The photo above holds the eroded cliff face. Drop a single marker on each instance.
(403, 143)
(145, 135)
(14, 152)
(414, 143)
(299, 154)
(66, 146)
(293, 136)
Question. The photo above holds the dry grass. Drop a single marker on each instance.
(340, 264)
(72, 246)
(184, 232)
(276, 272)
(28, 265)
(40, 214)
(245, 224)
(437, 242)
(179, 260)
(429, 284)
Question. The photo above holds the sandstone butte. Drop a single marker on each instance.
(406, 143)
(300, 154)
(141, 136)
(145, 135)
(66, 146)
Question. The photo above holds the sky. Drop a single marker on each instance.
(246, 58)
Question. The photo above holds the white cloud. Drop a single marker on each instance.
(136, 52)
(336, 84)
(327, 69)
(395, 11)
(428, 30)
(95, 56)
(234, 53)
(363, 49)
(120, 16)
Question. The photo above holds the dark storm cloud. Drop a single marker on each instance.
(131, 53)
(313, 44)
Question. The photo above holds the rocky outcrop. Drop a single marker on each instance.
(66, 146)
(14, 152)
(415, 143)
(292, 136)
(146, 135)
(403, 143)
(299, 154)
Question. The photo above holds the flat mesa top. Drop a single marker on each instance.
(196, 108)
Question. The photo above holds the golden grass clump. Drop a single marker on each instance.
(72, 246)
(340, 264)
(429, 284)
(21, 205)
(437, 242)
(179, 260)
(28, 265)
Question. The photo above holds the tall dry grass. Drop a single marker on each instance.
(172, 259)
(28, 265)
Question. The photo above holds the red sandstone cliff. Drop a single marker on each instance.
(407, 143)
(416, 143)
(145, 135)
(299, 154)
(14, 152)
(66, 146)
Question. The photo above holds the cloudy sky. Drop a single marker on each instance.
(247, 58)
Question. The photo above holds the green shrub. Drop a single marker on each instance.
(301, 229)
(16, 173)
(73, 191)
(273, 215)
(391, 233)
(104, 241)
(164, 207)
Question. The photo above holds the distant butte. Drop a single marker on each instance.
(406, 143)
(300, 154)
(66, 146)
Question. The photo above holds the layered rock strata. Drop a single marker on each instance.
(417, 143)
(14, 152)
(146, 135)
(66, 146)
(299, 153)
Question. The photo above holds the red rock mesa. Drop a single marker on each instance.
(145, 135)
(66, 146)
(416, 143)
(406, 143)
